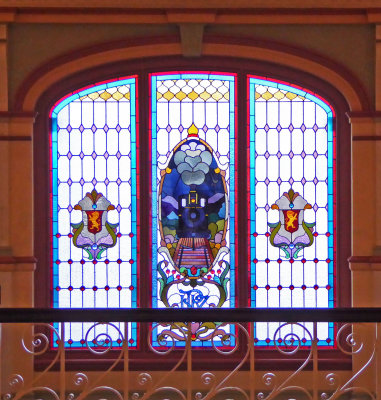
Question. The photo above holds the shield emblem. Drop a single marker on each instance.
(291, 234)
(94, 233)
(94, 221)
(291, 220)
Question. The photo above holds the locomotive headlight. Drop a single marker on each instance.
(193, 220)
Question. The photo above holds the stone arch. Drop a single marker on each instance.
(50, 74)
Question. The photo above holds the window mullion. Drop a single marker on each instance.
(242, 171)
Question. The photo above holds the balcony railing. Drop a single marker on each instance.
(38, 361)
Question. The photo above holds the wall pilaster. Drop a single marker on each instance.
(16, 218)
(365, 263)
(16, 255)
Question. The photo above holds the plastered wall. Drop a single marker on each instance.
(31, 45)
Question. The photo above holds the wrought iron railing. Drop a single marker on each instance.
(36, 362)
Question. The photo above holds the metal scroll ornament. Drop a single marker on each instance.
(291, 234)
(94, 233)
(193, 202)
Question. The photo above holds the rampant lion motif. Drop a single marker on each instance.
(93, 219)
(94, 233)
(291, 234)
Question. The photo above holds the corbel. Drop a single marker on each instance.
(191, 36)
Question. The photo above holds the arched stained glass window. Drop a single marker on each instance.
(292, 201)
(94, 200)
(193, 170)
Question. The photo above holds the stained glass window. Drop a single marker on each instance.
(193, 192)
(94, 195)
(292, 204)
(194, 142)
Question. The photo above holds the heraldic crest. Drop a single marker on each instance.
(291, 234)
(94, 233)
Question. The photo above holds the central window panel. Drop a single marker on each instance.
(193, 193)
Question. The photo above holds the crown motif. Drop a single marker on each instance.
(193, 131)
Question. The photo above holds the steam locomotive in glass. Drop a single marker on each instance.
(193, 217)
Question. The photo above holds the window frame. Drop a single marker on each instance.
(143, 68)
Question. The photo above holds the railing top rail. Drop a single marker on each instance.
(20, 315)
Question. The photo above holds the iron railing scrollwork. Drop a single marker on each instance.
(358, 340)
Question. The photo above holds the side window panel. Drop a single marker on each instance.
(292, 204)
(94, 194)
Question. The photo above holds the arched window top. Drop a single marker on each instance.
(285, 87)
(89, 93)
